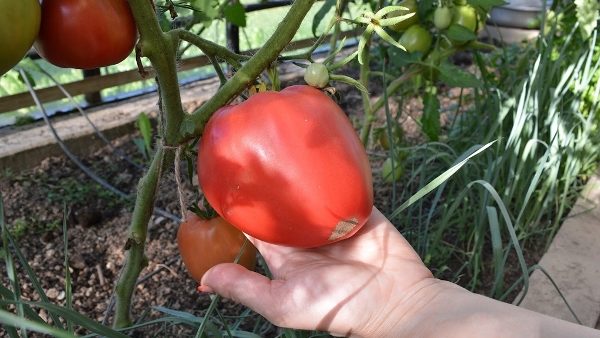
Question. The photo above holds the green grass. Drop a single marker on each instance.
(519, 191)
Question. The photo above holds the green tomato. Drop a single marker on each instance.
(465, 16)
(388, 174)
(416, 39)
(19, 26)
(316, 75)
(442, 17)
(403, 25)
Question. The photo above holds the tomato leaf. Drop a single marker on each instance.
(209, 8)
(486, 5)
(430, 121)
(460, 33)
(456, 77)
(236, 14)
(399, 58)
(29, 78)
(324, 10)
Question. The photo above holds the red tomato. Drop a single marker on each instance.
(86, 33)
(287, 168)
(205, 243)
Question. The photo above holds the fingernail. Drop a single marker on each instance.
(205, 289)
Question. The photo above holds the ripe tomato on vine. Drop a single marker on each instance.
(205, 243)
(86, 33)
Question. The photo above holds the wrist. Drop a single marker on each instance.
(434, 308)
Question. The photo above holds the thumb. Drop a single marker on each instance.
(237, 283)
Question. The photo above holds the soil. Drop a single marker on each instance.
(37, 201)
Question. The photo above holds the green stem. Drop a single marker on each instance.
(340, 7)
(391, 89)
(193, 125)
(136, 259)
(394, 85)
(161, 50)
(210, 48)
(366, 99)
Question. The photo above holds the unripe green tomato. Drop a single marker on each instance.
(442, 17)
(416, 39)
(388, 174)
(460, 2)
(403, 25)
(316, 75)
(465, 16)
(19, 26)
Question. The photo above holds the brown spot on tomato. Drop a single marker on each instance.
(343, 228)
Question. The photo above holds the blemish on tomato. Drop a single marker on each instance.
(343, 228)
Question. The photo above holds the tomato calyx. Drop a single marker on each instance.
(206, 212)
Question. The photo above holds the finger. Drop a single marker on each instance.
(237, 283)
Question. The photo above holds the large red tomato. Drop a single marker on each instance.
(287, 168)
(205, 243)
(86, 33)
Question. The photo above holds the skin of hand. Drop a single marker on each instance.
(373, 285)
(348, 288)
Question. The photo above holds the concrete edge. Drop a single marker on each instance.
(573, 262)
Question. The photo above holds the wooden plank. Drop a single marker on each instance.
(97, 83)
(88, 85)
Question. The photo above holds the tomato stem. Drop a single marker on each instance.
(136, 259)
(193, 125)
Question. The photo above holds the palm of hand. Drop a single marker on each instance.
(345, 288)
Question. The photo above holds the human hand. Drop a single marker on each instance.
(361, 286)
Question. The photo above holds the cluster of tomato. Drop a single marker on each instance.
(416, 37)
(67, 33)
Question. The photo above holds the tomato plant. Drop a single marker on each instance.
(287, 168)
(466, 16)
(442, 17)
(316, 75)
(416, 39)
(86, 33)
(412, 8)
(205, 243)
(19, 25)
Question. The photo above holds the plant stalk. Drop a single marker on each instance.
(160, 49)
(193, 125)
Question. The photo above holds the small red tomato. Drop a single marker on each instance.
(86, 33)
(205, 243)
(287, 168)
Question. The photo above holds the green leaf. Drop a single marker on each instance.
(587, 16)
(460, 33)
(430, 121)
(400, 58)
(236, 14)
(321, 13)
(209, 8)
(456, 77)
(486, 5)
(29, 78)
(472, 152)
(145, 127)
